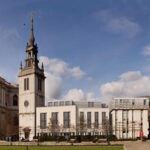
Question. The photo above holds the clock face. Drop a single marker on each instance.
(26, 103)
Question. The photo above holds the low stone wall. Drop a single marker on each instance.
(56, 144)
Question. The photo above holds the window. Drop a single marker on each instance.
(81, 121)
(133, 103)
(66, 119)
(29, 54)
(50, 103)
(39, 84)
(104, 106)
(82, 114)
(61, 103)
(26, 84)
(121, 103)
(90, 104)
(103, 117)
(15, 100)
(55, 103)
(67, 103)
(43, 120)
(89, 119)
(96, 119)
(55, 118)
(144, 102)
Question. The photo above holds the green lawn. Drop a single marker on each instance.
(61, 148)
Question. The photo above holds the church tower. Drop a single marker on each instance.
(31, 89)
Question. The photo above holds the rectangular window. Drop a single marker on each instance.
(26, 84)
(144, 102)
(61, 103)
(50, 103)
(43, 120)
(55, 118)
(103, 117)
(96, 119)
(89, 119)
(90, 104)
(55, 103)
(67, 103)
(66, 119)
(82, 114)
(39, 84)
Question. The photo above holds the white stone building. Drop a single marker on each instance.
(129, 116)
(67, 117)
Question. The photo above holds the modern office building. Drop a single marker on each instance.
(129, 117)
(70, 116)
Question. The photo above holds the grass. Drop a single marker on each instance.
(61, 148)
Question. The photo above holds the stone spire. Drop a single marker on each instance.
(42, 67)
(21, 66)
(32, 39)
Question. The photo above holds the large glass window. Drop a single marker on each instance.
(26, 84)
(96, 119)
(82, 114)
(89, 119)
(66, 119)
(43, 120)
(103, 117)
(55, 118)
(90, 104)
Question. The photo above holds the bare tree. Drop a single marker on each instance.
(106, 127)
(81, 125)
(53, 126)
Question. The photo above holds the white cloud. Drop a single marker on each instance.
(61, 68)
(55, 71)
(79, 95)
(117, 24)
(146, 50)
(53, 86)
(90, 96)
(129, 84)
(77, 73)
(75, 94)
(131, 75)
(124, 26)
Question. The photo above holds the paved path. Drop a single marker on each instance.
(137, 145)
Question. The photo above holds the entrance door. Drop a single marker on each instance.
(26, 133)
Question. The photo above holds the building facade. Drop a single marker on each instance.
(72, 118)
(129, 117)
(8, 109)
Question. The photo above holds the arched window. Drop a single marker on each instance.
(15, 100)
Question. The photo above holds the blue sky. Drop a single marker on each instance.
(103, 38)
